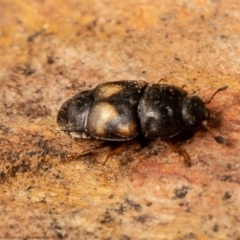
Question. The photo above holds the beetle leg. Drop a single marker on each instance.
(116, 150)
(88, 151)
(223, 88)
(162, 80)
(180, 151)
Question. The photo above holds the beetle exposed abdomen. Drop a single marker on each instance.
(72, 116)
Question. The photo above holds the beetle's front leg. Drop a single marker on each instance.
(178, 149)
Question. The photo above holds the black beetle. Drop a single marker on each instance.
(119, 111)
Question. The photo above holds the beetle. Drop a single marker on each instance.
(121, 110)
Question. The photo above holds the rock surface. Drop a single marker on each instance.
(55, 187)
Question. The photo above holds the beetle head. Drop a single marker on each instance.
(195, 113)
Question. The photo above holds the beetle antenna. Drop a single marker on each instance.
(219, 90)
(218, 139)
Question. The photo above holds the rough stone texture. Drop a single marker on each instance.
(50, 189)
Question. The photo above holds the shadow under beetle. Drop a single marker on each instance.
(119, 111)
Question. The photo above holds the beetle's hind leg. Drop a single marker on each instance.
(120, 148)
(92, 150)
(178, 149)
(115, 151)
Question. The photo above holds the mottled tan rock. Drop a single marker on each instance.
(53, 186)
